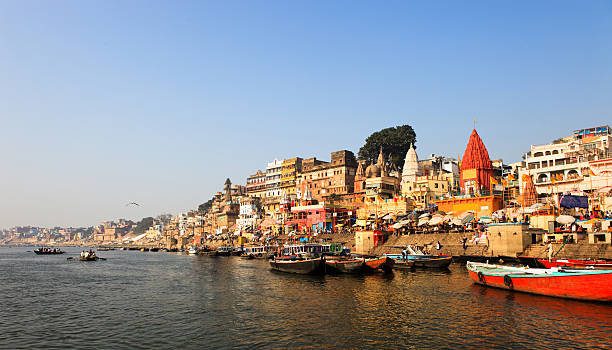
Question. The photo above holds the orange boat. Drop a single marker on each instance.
(593, 285)
(382, 263)
(578, 264)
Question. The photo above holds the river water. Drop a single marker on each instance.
(143, 300)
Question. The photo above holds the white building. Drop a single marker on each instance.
(249, 213)
(567, 164)
(273, 175)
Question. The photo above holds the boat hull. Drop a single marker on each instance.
(437, 262)
(48, 253)
(383, 263)
(344, 266)
(403, 265)
(592, 285)
(580, 264)
(302, 267)
(82, 258)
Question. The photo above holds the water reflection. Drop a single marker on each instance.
(159, 300)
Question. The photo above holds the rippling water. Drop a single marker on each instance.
(164, 300)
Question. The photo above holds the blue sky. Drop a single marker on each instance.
(108, 102)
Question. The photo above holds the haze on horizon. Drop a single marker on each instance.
(105, 103)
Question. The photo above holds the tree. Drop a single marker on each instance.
(143, 225)
(164, 218)
(205, 207)
(395, 141)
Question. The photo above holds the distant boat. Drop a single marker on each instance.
(344, 265)
(580, 264)
(193, 250)
(594, 285)
(299, 266)
(224, 251)
(88, 258)
(48, 251)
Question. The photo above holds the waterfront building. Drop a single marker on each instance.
(273, 190)
(250, 213)
(256, 185)
(289, 172)
(326, 178)
(576, 163)
(476, 177)
(427, 181)
(379, 182)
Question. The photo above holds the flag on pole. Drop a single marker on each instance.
(511, 177)
(591, 172)
(525, 178)
(493, 181)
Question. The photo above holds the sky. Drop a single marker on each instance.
(158, 102)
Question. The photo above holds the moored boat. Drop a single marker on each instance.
(438, 261)
(593, 285)
(403, 265)
(224, 251)
(381, 263)
(299, 266)
(579, 264)
(344, 265)
(193, 250)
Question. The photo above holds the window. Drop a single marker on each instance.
(436, 185)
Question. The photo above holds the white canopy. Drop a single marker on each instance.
(565, 219)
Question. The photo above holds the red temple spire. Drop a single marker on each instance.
(476, 166)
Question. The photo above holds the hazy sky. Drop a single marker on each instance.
(108, 102)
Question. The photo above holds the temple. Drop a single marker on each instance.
(476, 184)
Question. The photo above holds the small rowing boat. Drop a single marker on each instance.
(381, 263)
(594, 285)
(344, 265)
(48, 251)
(300, 266)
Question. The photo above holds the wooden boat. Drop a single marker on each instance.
(580, 264)
(88, 258)
(105, 249)
(47, 251)
(425, 261)
(299, 266)
(381, 263)
(594, 285)
(403, 265)
(224, 251)
(344, 265)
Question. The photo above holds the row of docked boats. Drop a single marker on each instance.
(311, 265)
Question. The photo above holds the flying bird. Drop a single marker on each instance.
(132, 203)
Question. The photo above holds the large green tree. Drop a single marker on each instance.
(143, 225)
(205, 207)
(395, 141)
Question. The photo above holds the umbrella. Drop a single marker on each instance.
(466, 218)
(426, 215)
(423, 221)
(457, 222)
(565, 219)
(448, 218)
(440, 212)
(436, 220)
(537, 206)
(397, 226)
(485, 220)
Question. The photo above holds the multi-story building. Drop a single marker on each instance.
(326, 178)
(289, 172)
(250, 212)
(565, 164)
(273, 190)
(256, 185)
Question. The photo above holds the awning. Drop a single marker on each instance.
(360, 222)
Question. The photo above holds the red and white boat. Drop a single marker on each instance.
(578, 264)
(584, 284)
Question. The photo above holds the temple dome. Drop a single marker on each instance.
(412, 168)
(372, 171)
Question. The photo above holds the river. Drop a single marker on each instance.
(143, 300)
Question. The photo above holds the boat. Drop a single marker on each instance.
(579, 264)
(592, 285)
(300, 266)
(344, 265)
(403, 265)
(88, 258)
(193, 250)
(48, 251)
(103, 249)
(381, 263)
(422, 260)
(224, 251)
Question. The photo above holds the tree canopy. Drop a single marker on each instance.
(395, 141)
(205, 207)
(143, 225)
